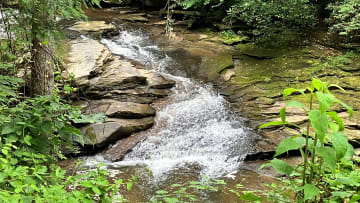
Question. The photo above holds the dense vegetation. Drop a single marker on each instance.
(265, 18)
(36, 126)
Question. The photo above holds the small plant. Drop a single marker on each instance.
(327, 172)
(229, 37)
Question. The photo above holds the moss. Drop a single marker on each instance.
(213, 66)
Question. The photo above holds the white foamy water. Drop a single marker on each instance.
(2, 28)
(195, 130)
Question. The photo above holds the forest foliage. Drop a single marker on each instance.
(265, 18)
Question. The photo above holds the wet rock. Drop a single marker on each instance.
(253, 51)
(115, 129)
(88, 27)
(155, 81)
(228, 74)
(121, 80)
(122, 75)
(212, 63)
(351, 68)
(117, 109)
(137, 17)
(117, 75)
(86, 59)
(138, 95)
(118, 151)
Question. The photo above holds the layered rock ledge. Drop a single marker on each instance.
(107, 84)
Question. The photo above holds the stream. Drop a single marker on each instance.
(196, 136)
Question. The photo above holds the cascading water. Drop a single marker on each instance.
(195, 129)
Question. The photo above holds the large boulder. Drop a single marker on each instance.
(121, 80)
(86, 59)
(117, 109)
(112, 130)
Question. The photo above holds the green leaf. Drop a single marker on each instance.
(289, 144)
(341, 194)
(337, 86)
(162, 192)
(325, 101)
(310, 191)
(283, 114)
(355, 198)
(337, 119)
(129, 186)
(277, 123)
(290, 91)
(350, 152)
(27, 140)
(11, 139)
(317, 84)
(46, 127)
(340, 144)
(348, 108)
(171, 200)
(319, 122)
(250, 196)
(96, 190)
(7, 129)
(280, 167)
(4, 151)
(328, 154)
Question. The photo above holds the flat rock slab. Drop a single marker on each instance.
(117, 109)
(112, 130)
(137, 17)
(120, 74)
(86, 58)
(92, 26)
(117, 75)
(138, 95)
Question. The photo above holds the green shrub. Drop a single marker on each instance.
(270, 17)
(345, 18)
(327, 172)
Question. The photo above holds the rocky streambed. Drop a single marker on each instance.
(130, 89)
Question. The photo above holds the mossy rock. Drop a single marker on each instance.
(211, 67)
(252, 50)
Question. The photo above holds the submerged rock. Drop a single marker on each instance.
(115, 129)
(117, 109)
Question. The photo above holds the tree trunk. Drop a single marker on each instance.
(42, 68)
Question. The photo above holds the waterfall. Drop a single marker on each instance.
(195, 129)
